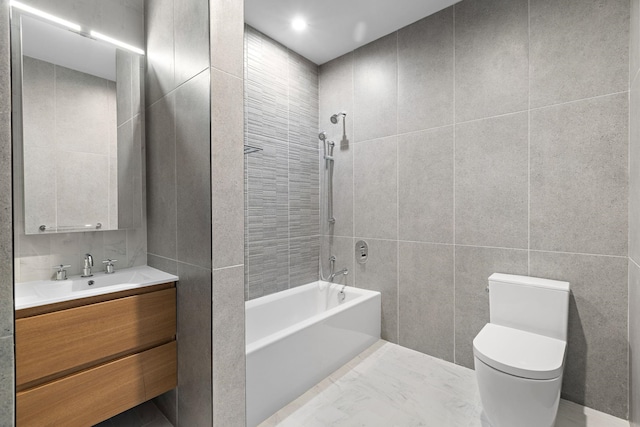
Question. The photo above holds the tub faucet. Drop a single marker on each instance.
(343, 272)
(88, 263)
(332, 266)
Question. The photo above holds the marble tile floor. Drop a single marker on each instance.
(144, 415)
(388, 385)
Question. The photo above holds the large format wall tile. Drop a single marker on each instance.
(491, 68)
(191, 21)
(165, 264)
(634, 171)
(194, 346)
(161, 178)
(375, 82)
(425, 73)
(227, 36)
(634, 40)
(158, 23)
(473, 268)
(380, 273)
(227, 169)
(228, 352)
(6, 225)
(193, 170)
(376, 189)
(5, 58)
(594, 62)
(335, 81)
(425, 298)
(7, 365)
(124, 90)
(342, 191)
(491, 182)
(38, 100)
(579, 176)
(634, 343)
(7, 397)
(596, 368)
(425, 186)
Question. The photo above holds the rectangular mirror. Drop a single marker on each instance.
(81, 129)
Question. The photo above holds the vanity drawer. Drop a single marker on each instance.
(51, 345)
(96, 394)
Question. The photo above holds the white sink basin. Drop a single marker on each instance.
(33, 294)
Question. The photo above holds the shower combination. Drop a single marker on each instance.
(328, 146)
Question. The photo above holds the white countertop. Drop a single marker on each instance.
(42, 292)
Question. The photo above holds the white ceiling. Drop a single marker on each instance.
(335, 27)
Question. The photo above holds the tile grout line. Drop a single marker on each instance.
(288, 172)
(485, 247)
(454, 180)
(397, 190)
(501, 115)
(353, 158)
(529, 138)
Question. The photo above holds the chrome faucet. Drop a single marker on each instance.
(88, 263)
(344, 272)
(332, 265)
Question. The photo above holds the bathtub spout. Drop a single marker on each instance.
(344, 272)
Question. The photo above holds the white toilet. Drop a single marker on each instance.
(519, 356)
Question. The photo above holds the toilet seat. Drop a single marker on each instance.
(520, 353)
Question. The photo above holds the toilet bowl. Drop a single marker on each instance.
(519, 356)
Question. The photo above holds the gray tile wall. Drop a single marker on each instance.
(226, 41)
(195, 199)
(179, 190)
(281, 181)
(7, 380)
(634, 215)
(494, 139)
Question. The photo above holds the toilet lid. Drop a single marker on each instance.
(520, 353)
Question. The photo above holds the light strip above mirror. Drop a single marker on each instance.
(45, 15)
(118, 43)
(74, 27)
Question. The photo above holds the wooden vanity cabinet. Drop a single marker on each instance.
(81, 362)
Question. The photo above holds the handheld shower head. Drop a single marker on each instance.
(322, 136)
(334, 118)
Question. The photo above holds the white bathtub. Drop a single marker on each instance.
(297, 337)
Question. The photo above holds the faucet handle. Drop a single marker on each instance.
(109, 268)
(61, 274)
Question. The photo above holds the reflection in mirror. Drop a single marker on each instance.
(81, 131)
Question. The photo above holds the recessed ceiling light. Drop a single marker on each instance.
(298, 23)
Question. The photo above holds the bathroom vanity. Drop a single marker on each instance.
(85, 358)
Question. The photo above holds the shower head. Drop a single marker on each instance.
(334, 118)
(322, 135)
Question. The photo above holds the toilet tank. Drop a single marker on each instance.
(532, 304)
